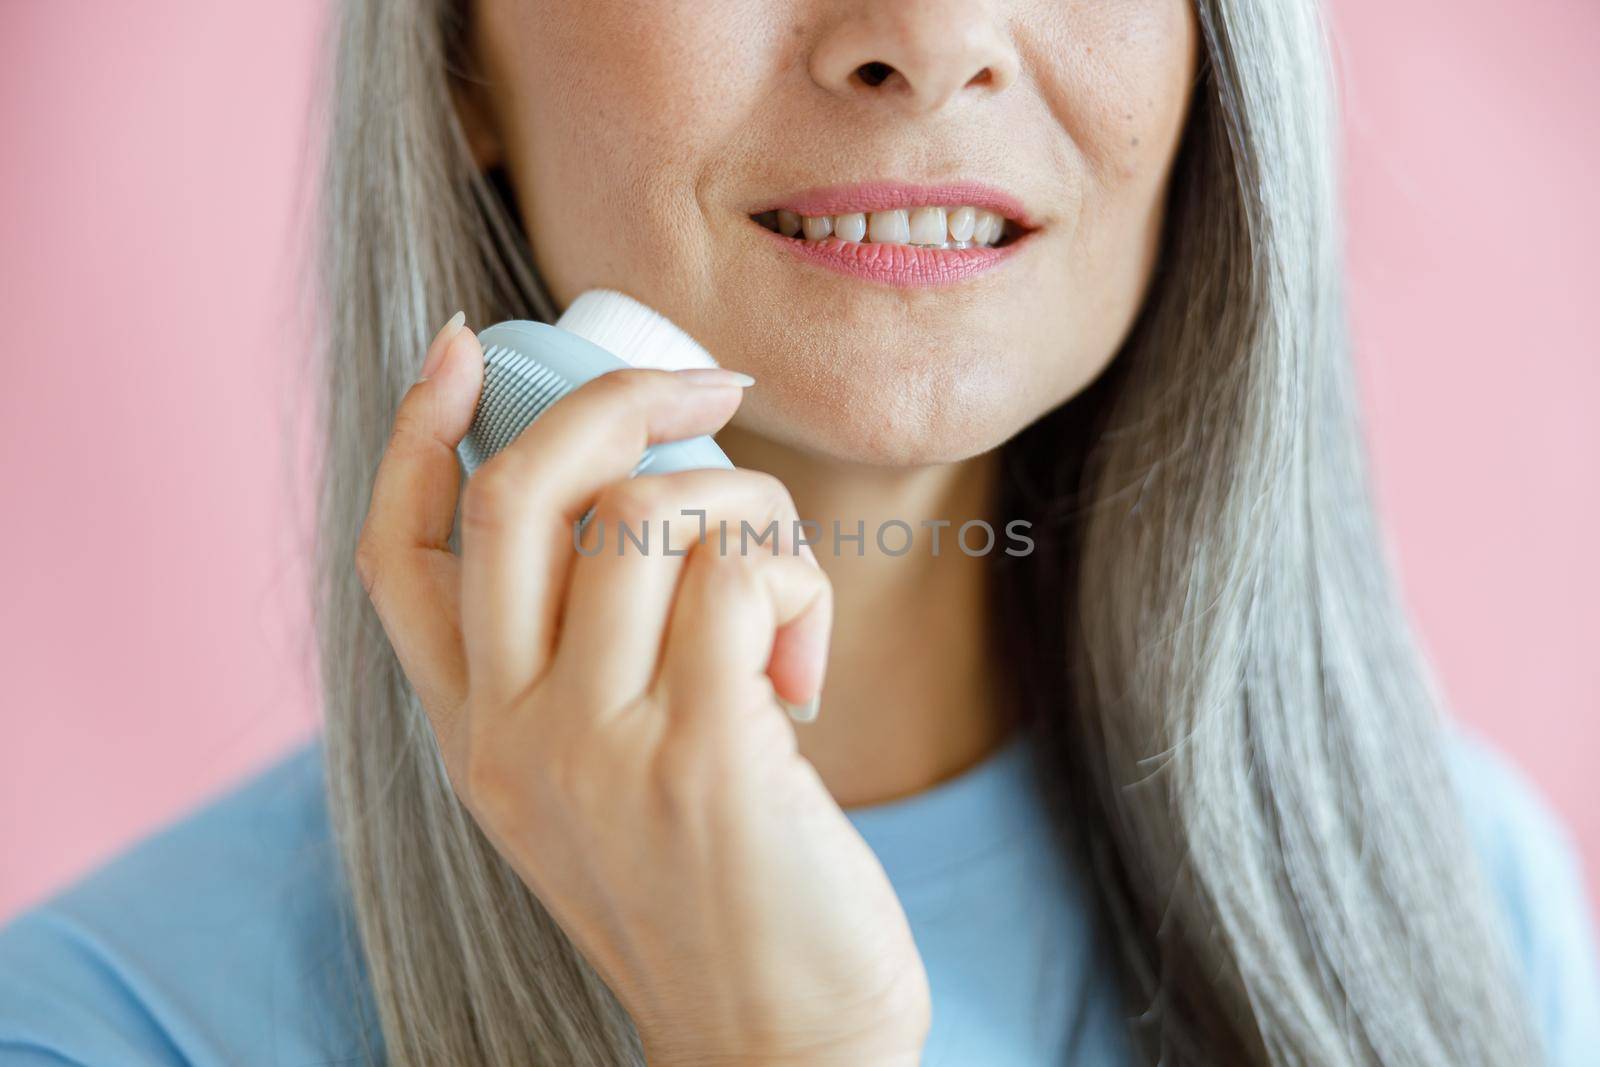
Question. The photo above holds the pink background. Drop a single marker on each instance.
(151, 208)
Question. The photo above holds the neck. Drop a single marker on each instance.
(910, 696)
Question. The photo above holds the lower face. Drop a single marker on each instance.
(911, 274)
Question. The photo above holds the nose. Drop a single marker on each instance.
(920, 54)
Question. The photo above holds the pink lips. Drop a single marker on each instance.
(906, 266)
(902, 265)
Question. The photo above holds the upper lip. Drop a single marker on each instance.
(892, 195)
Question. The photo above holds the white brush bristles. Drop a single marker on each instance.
(632, 332)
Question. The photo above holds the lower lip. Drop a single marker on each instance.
(903, 266)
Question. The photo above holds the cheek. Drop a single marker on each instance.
(1119, 82)
(1124, 92)
(607, 110)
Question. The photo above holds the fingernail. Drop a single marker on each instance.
(441, 341)
(806, 712)
(714, 376)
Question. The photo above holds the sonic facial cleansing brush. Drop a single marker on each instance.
(528, 366)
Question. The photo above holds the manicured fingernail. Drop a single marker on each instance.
(806, 712)
(441, 342)
(714, 376)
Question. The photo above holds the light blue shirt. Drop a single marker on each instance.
(227, 939)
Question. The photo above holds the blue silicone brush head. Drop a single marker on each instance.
(528, 366)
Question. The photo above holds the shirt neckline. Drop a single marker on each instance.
(976, 811)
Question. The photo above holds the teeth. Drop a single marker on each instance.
(850, 227)
(980, 228)
(961, 220)
(930, 227)
(987, 228)
(888, 228)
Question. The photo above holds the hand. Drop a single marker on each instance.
(610, 721)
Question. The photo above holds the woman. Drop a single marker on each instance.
(1166, 783)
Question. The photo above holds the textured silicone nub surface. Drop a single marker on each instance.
(516, 390)
(528, 366)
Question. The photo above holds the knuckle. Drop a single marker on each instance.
(574, 780)
(629, 394)
(621, 383)
(724, 574)
(632, 500)
(824, 587)
(412, 429)
(489, 497)
(628, 388)
(770, 502)
(769, 490)
(486, 786)
(564, 764)
(368, 559)
(683, 773)
(408, 422)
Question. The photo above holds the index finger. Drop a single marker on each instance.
(403, 557)
(519, 509)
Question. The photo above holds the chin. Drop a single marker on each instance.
(920, 415)
(871, 380)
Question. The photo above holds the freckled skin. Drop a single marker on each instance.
(638, 134)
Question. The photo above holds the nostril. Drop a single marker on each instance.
(983, 77)
(874, 73)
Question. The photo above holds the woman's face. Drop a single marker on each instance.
(649, 140)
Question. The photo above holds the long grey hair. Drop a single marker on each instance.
(1206, 643)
